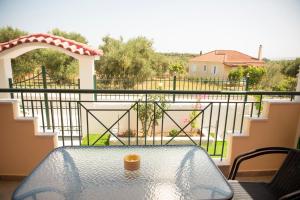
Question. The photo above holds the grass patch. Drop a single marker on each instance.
(104, 141)
(215, 152)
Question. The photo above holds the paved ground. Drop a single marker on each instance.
(7, 188)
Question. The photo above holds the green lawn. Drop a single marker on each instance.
(104, 141)
(211, 148)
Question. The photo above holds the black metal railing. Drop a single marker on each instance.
(164, 83)
(150, 120)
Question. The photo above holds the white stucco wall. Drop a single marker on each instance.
(109, 117)
(198, 70)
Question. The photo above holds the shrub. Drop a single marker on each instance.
(173, 133)
(286, 84)
(235, 75)
(254, 74)
(93, 137)
(146, 114)
(127, 133)
(176, 68)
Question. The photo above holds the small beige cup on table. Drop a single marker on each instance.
(132, 162)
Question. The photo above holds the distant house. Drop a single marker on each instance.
(218, 63)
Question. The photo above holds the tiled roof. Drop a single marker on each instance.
(228, 57)
(70, 45)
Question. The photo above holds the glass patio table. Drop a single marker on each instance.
(166, 172)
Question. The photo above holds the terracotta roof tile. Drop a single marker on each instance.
(228, 57)
(70, 45)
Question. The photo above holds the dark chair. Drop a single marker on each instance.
(284, 185)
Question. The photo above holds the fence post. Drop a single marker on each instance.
(247, 83)
(297, 98)
(246, 86)
(174, 87)
(46, 96)
(79, 88)
(95, 86)
(10, 84)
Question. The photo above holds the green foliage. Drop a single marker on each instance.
(258, 104)
(213, 135)
(176, 68)
(272, 76)
(104, 141)
(194, 113)
(286, 84)
(181, 58)
(159, 64)
(26, 64)
(276, 79)
(291, 67)
(146, 113)
(122, 59)
(69, 35)
(235, 75)
(215, 151)
(8, 33)
(173, 133)
(254, 75)
(60, 67)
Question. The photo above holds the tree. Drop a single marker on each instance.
(235, 75)
(61, 67)
(125, 59)
(286, 84)
(254, 75)
(26, 64)
(176, 68)
(70, 35)
(8, 33)
(272, 76)
(159, 64)
(291, 67)
(146, 113)
(181, 58)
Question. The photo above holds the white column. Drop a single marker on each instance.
(297, 98)
(5, 74)
(86, 75)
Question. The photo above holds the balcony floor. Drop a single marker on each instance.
(7, 188)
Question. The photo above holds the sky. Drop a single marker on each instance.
(186, 26)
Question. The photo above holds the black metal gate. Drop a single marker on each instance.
(44, 105)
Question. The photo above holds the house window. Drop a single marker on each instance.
(205, 68)
(193, 68)
(214, 70)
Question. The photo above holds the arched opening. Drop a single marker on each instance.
(81, 52)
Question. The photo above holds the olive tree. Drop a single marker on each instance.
(151, 111)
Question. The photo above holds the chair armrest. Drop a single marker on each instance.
(291, 196)
(258, 152)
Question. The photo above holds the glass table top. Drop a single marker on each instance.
(166, 172)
